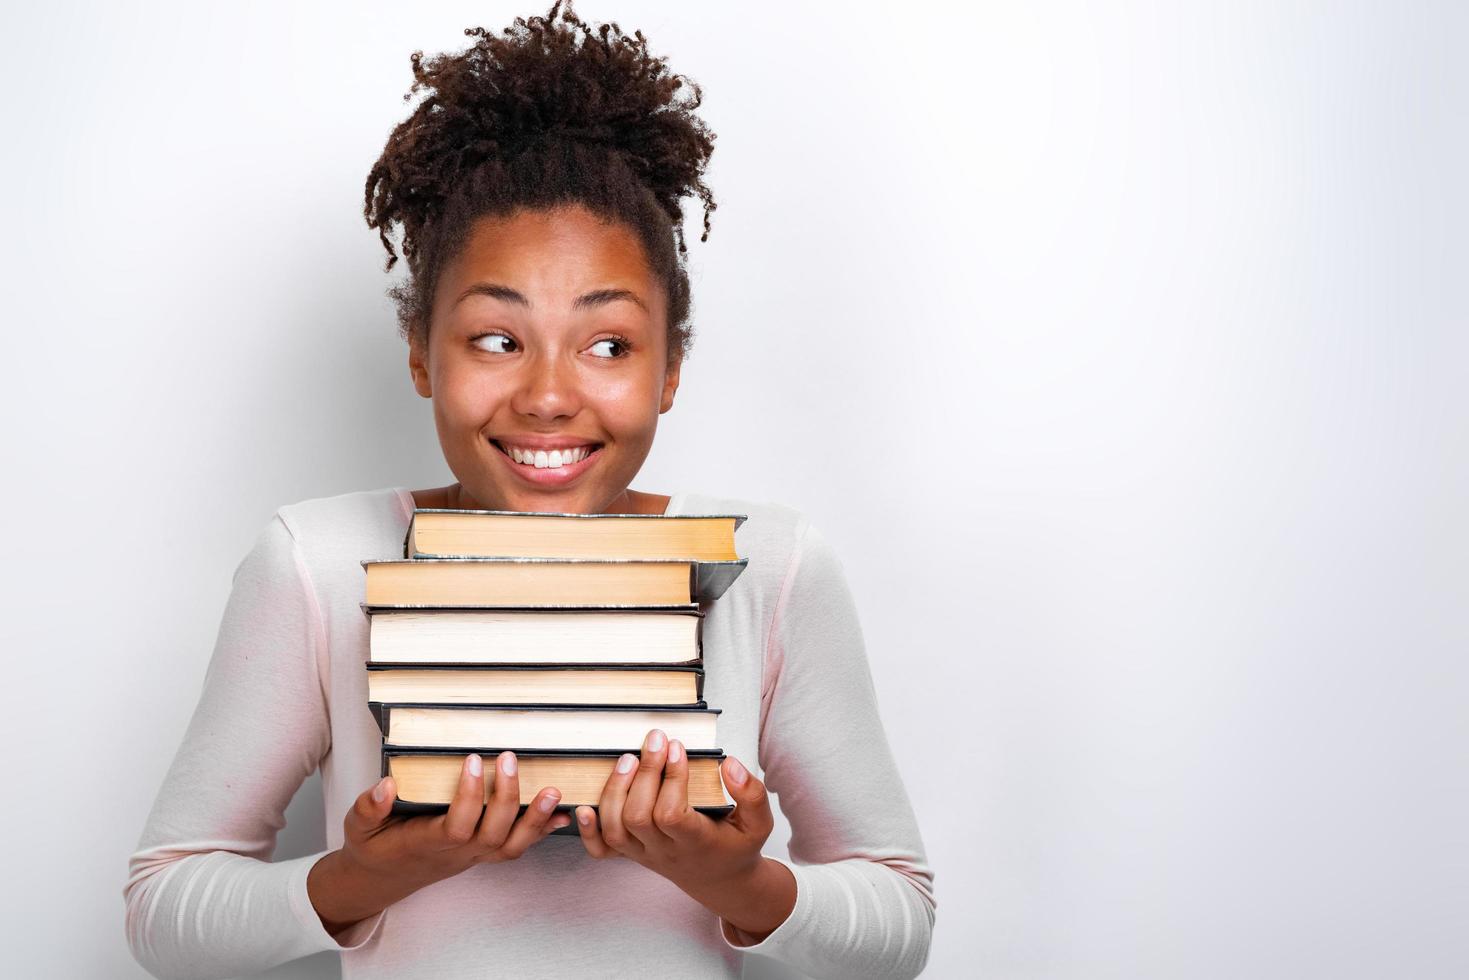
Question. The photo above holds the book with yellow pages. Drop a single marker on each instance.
(428, 777)
(545, 582)
(535, 684)
(449, 533)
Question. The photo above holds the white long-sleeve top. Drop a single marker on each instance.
(286, 694)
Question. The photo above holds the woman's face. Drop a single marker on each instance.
(549, 340)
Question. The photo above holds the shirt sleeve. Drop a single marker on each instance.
(203, 899)
(864, 891)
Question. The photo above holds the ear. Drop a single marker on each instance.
(418, 366)
(670, 386)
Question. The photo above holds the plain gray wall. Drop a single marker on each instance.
(1121, 353)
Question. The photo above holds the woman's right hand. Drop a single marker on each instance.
(429, 848)
(385, 858)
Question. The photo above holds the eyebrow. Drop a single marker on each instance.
(586, 301)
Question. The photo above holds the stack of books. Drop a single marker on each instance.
(562, 637)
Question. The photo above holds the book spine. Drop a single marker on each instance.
(483, 665)
(381, 708)
(522, 752)
(407, 809)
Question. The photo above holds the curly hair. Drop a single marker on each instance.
(552, 113)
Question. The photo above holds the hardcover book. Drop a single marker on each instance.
(581, 684)
(442, 533)
(427, 778)
(589, 634)
(543, 726)
(553, 582)
(431, 776)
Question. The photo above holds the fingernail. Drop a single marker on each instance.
(548, 803)
(476, 766)
(675, 751)
(585, 816)
(737, 773)
(625, 764)
(655, 740)
(507, 763)
(380, 790)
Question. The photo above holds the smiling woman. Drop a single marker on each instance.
(546, 318)
(548, 365)
(543, 230)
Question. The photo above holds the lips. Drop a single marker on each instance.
(547, 475)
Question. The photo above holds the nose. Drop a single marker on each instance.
(546, 388)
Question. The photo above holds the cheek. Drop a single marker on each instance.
(464, 398)
(627, 405)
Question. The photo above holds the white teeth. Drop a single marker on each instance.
(554, 459)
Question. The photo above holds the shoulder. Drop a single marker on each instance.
(334, 534)
(773, 537)
(767, 523)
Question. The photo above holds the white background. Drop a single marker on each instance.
(1120, 353)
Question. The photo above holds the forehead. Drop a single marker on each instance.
(551, 251)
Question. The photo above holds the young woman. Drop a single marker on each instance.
(546, 316)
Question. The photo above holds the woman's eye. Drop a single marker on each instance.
(619, 346)
(495, 343)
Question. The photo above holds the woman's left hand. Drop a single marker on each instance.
(645, 815)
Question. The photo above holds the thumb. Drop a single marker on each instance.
(752, 804)
(373, 807)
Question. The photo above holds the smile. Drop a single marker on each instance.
(541, 459)
(540, 465)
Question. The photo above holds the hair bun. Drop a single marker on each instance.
(557, 89)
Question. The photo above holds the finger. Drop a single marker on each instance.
(637, 811)
(458, 824)
(609, 807)
(371, 809)
(534, 824)
(752, 814)
(671, 812)
(591, 837)
(504, 803)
